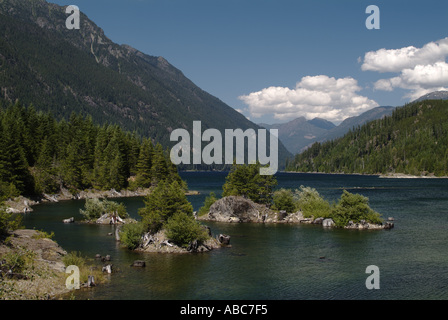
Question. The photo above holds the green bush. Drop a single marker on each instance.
(95, 208)
(283, 199)
(9, 222)
(182, 229)
(311, 203)
(353, 207)
(131, 234)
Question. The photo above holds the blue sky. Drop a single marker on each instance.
(277, 60)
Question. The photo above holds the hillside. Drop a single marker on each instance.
(413, 140)
(63, 71)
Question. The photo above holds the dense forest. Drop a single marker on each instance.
(39, 154)
(413, 140)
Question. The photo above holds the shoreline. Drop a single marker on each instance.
(379, 175)
(24, 204)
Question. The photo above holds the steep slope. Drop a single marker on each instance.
(412, 140)
(64, 71)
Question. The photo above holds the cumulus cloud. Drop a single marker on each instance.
(314, 96)
(420, 70)
(396, 60)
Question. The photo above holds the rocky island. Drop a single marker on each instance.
(237, 209)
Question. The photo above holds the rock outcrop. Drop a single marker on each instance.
(236, 209)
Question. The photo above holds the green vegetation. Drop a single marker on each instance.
(353, 207)
(131, 234)
(246, 181)
(95, 208)
(40, 155)
(283, 199)
(311, 203)
(413, 140)
(183, 229)
(75, 258)
(8, 222)
(350, 207)
(209, 200)
(166, 209)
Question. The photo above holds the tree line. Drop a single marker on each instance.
(39, 154)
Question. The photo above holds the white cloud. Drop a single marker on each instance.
(314, 96)
(396, 60)
(420, 70)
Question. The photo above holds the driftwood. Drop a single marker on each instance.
(166, 243)
(107, 268)
(91, 281)
(70, 220)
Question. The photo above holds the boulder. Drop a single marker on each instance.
(234, 209)
(224, 239)
(328, 223)
(139, 264)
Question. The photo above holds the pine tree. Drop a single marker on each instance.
(144, 164)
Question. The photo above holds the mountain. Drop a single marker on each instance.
(299, 134)
(436, 95)
(64, 71)
(412, 140)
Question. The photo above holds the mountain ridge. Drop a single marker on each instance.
(63, 71)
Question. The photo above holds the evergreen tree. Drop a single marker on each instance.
(144, 164)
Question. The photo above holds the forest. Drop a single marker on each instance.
(39, 154)
(413, 140)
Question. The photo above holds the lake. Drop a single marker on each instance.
(280, 262)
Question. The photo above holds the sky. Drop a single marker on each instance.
(276, 60)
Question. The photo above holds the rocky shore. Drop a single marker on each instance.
(23, 204)
(236, 209)
(45, 280)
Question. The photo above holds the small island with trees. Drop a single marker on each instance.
(250, 197)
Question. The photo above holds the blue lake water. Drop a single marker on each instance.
(281, 262)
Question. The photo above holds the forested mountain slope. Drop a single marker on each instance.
(413, 140)
(63, 71)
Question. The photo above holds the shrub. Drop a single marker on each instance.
(311, 203)
(354, 207)
(8, 222)
(95, 208)
(131, 234)
(283, 199)
(182, 229)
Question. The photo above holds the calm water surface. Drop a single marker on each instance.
(281, 262)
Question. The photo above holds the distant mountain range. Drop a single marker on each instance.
(299, 134)
(63, 71)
